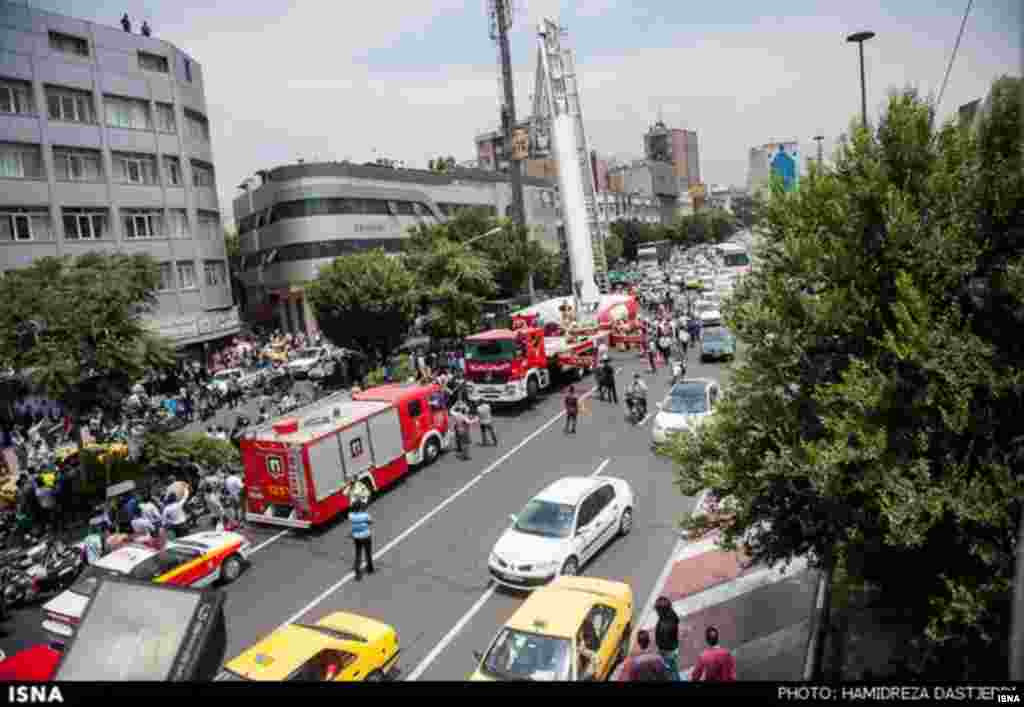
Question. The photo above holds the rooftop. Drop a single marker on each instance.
(568, 490)
(560, 607)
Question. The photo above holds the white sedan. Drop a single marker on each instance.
(688, 405)
(560, 529)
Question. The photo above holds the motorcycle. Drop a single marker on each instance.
(50, 574)
(636, 408)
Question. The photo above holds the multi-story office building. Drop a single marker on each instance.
(105, 146)
(296, 218)
(652, 189)
(677, 148)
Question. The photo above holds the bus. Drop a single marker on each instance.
(735, 258)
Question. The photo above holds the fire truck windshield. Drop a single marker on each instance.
(494, 350)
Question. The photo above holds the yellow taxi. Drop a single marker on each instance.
(341, 647)
(574, 629)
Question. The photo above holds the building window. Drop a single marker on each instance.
(147, 223)
(127, 113)
(208, 226)
(70, 105)
(196, 126)
(166, 277)
(19, 161)
(77, 165)
(165, 118)
(187, 275)
(18, 224)
(202, 174)
(69, 44)
(177, 224)
(16, 97)
(188, 71)
(216, 273)
(153, 62)
(85, 224)
(134, 168)
(172, 170)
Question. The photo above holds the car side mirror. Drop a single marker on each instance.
(512, 517)
(478, 656)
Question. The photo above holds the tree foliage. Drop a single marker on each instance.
(180, 447)
(875, 410)
(613, 246)
(748, 210)
(365, 301)
(76, 326)
(442, 164)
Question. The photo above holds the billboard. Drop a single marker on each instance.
(784, 161)
(520, 144)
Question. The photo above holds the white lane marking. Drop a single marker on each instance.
(269, 540)
(679, 548)
(731, 590)
(461, 623)
(437, 509)
(450, 636)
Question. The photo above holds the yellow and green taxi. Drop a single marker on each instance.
(574, 629)
(341, 647)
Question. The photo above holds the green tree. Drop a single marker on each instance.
(548, 272)
(441, 164)
(748, 210)
(365, 301)
(450, 277)
(874, 415)
(232, 242)
(630, 232)
(76, 327)
(613, 246)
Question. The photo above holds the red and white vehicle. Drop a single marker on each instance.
(298, 468)
(196, 560)
(512, 365)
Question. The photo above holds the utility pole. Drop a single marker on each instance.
(821, 164)
(502, 19)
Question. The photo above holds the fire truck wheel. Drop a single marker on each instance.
(231, 569)
(432, 452)
(532, 389)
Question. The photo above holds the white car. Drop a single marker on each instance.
(306, 359)
(688, 405)
(560, 529)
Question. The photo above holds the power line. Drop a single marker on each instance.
(952, 58)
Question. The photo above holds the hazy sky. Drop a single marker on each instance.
(411, 79)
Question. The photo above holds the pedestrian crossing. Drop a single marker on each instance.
(762, 613)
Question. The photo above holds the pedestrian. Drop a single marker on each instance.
(126, 24)
(483, 413)
(684, 340)
(645, 665)
(664, 344)
(235, 488)
(572, 410)
(666, 634)
(145, 29)
(362, 538)
(462, 439)
(652, 352)
(716, 664)
(609, 380)
(174, 519)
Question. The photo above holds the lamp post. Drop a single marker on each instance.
(860, 38)
(818, 139)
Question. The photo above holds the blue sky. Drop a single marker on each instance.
(410, 79)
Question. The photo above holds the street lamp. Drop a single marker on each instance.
(818, 139)
(860, 38)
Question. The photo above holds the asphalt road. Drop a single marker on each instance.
(436, 528)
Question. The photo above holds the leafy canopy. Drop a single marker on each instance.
(875, 408)
(365, 301)
(76, 326)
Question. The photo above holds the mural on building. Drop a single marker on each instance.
(784, 158)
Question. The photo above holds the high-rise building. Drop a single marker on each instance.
(105, 146)
(678, 148)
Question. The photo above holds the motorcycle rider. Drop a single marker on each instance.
(637, 393)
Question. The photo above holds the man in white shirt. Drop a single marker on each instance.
(235, 489)
(174, 519)
(483, 412)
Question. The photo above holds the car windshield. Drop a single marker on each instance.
(552, 520)
(736, 260)
(716, 337)
(687, 399)
(517, 655)
(494, 350)
(88, 581)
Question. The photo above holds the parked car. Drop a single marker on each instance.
(717, 344)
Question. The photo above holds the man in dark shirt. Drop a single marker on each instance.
(666, 634)
(645, 665)
(572, 410)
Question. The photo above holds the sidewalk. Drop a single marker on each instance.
(763, 615)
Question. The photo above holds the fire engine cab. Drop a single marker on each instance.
(299, 468)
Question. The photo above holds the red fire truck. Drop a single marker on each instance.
(512, 365)
(297, 468)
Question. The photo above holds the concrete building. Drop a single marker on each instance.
(105, 145)
(294, 219)
(653, 185)
(678, 148)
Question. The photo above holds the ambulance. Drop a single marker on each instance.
(298, 468)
